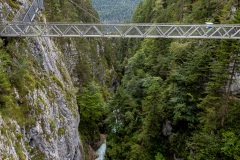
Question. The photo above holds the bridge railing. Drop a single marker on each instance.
(120, 30)
(27, 14)
(30, 14)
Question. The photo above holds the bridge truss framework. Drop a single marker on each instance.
(22, 29)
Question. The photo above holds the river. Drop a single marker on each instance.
(101, 151)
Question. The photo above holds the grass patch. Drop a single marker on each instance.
(52, 124)
(13, 4)
(61, 131)
(37, 154)
(57, 81)
(18, 149)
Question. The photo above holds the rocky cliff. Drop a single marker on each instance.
(39, 115)
(52, 108)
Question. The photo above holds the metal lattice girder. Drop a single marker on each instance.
(21, 29)
(28, 14)
(33, 9)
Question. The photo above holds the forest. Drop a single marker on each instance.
(154, 99)
(115, 11)
(178, 98)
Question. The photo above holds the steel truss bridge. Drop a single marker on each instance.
(26, 28)
(22, 29)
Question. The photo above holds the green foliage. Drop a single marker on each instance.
(16, 79)
(19, 151)
(115, 11)
(57, 81)
(13, 4)
(20, 74)
(57, 11)
(61, 131)
(144, 11)
(37, 154)
(231, 144)
(5, 86)
(176, 96)
(159, 156)
(91, 107)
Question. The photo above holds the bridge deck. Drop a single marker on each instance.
(26, 28)
(21, 29)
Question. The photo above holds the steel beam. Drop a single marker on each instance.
(216, 31)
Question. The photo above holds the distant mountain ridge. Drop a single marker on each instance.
(115, 11)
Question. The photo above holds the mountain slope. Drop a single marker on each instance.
(115, 11)
(43, 82)
(178, 98)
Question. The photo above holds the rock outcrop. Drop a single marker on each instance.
(51, 129)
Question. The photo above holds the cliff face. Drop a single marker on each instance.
(40, 119)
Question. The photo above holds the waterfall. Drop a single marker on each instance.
(101, 151)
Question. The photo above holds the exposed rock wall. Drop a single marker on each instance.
(52, 128)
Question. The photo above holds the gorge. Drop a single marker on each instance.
(62, 98)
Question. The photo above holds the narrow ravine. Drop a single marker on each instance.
(101, 151)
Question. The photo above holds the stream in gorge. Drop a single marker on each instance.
(101, 151)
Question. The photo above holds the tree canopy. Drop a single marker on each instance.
(176, 98)
(115, 11)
